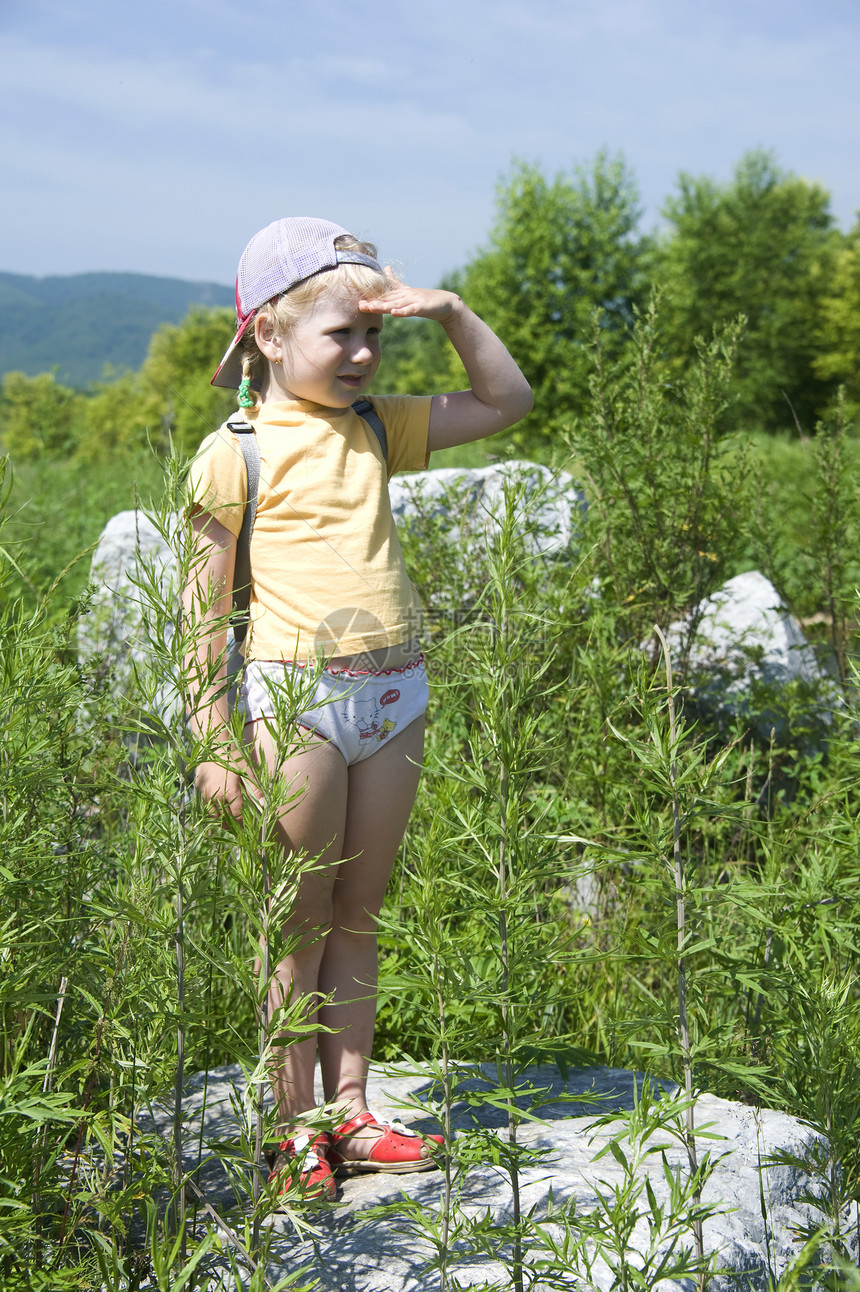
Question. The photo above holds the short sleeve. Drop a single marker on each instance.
(407, 425)
(218, 480)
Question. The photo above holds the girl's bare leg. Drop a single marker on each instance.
(381, 794)
(358, 813)
(314, 824)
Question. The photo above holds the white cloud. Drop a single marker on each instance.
(166, 133)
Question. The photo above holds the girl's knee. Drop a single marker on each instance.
(305, 932)
(313, 906)
(352, 921)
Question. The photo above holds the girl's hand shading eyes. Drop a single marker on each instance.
(413, 302)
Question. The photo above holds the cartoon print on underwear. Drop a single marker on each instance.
(365, 713)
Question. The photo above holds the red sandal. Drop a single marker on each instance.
(301, 1169)
(396, 1149)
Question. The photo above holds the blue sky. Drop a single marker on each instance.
(157, 137)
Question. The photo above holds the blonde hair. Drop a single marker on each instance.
(284, 311)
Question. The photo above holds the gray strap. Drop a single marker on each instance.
(247, 441)
(368, 413)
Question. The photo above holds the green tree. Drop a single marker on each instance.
(170, 398)
(839, 359)
(176, 396)
(560, 250)
(116, 420)
(38, 416)
(761, 246)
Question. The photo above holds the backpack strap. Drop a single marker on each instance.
(368, 413)
(247, 441)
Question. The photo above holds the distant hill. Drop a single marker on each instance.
(81, 322)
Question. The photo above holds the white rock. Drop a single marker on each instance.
(128, 627)
(746, 631)
(348, 1251)
(131, 550)
(547, 507)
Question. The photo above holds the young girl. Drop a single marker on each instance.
(327, 576)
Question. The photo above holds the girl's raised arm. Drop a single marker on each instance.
(499, 394)
(207, 600)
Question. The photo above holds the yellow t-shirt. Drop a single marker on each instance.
(327, 571)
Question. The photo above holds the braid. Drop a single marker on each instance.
(248, 398)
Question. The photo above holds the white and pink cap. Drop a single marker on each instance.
(277, 258)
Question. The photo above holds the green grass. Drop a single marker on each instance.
(56, 511)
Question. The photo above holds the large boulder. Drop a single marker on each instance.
(746, 651)
(547, 505)
(134, 613)
(745, 633)
(133, 554)
(758, 1203)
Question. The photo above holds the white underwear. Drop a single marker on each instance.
(356, 712)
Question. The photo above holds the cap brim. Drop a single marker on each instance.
(229, 371)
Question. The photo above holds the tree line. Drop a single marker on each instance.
(564, 263)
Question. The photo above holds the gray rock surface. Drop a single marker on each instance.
(129, 546)
(350, 1250)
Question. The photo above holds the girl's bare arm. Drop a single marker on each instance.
(207, 600)
(499, 394)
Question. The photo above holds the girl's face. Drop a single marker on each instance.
(329, 356)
